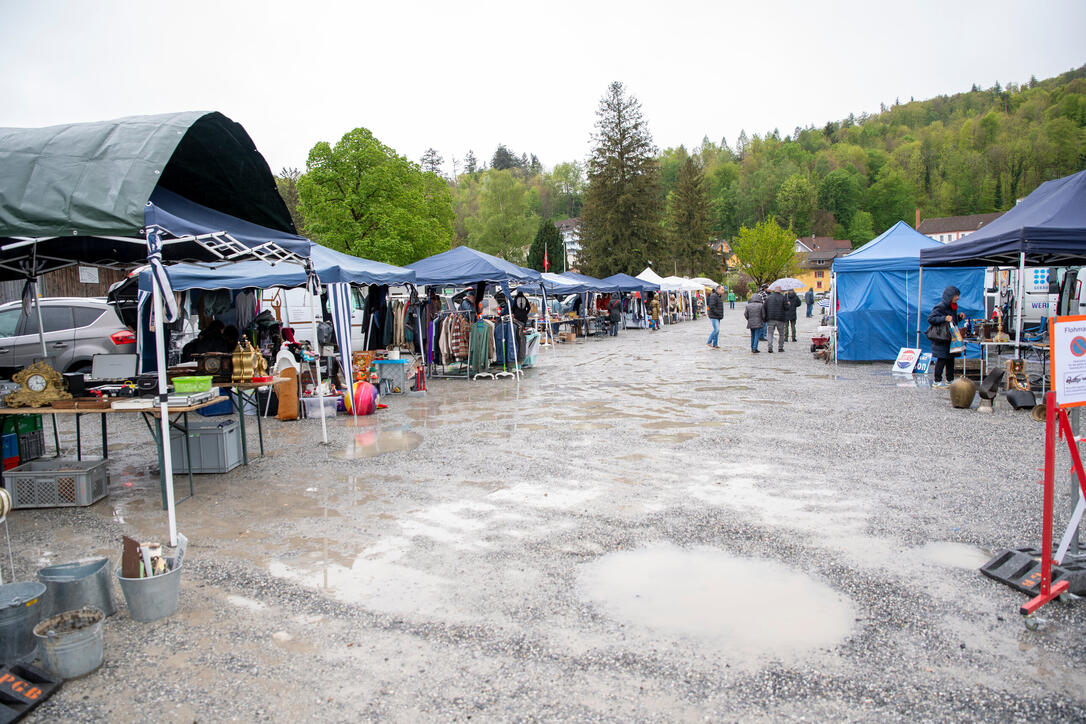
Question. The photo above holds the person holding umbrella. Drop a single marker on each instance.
(793, 304)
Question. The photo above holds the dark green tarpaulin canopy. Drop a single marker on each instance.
(93, 179)
(80, 189)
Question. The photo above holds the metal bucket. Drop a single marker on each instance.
(70, 644)
(74, 585)
(20, 611)
(150, 599)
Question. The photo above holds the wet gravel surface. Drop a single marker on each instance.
(640, 529)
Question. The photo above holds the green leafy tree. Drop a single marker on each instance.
(862, 229)
(891, 198)
(287, 184)
(359, 196)
(839, 193)
(569, 178)
(797, 200)
(766, 252)
(620, 221)
(550, 239)
(688, 224)
(505, 223)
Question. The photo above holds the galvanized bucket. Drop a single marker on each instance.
(20, 611)
(70, 644)
(150, 599)
(74, 585)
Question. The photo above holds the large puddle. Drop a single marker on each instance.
(750, 608)
(369, 442)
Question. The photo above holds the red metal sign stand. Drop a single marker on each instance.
(1057, 424)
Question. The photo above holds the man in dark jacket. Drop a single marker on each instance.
(776, 312)
(715, 310)
(614, 314)
(809, 299)
(793, 304)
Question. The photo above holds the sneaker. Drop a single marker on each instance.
(770, 351)
(940, 385)
(755, 351)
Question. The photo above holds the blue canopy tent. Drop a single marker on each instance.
(464, 266)
(562, 284)
(592, 283)
(1047, 228)
(627, 283)
(882, 300)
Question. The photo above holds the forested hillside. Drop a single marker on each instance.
(972, 152)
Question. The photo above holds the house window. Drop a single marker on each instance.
(818, 285)
(818, 275)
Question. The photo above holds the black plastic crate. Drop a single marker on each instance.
(31, 445)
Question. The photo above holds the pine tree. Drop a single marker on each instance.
(470, 164)
(431, 161)
(548, 237)
(622, 209)
(688, 221)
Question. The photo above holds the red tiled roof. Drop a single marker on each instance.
(824, 243)
(944, 224)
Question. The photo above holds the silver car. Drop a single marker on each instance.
(76, 329)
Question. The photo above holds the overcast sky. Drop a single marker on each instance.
(470, 75)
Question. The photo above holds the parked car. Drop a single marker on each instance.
(76, 329)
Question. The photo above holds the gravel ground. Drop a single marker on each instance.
(640, 529)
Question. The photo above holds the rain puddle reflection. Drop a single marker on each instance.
(704, 594)
(368, 443)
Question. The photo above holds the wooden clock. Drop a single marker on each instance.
(39, 385)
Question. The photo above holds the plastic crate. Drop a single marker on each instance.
(31, 445)
(216, 447)
(395, 371)
(10, 445)
(312, 405)
(19, 424)
(57, 483)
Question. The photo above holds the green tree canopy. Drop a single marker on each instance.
(797, 201)
(504, 224)
(287, 184)
(766, 252)
(688, 222)
(550, 239)
(359, 196)
(620, 222)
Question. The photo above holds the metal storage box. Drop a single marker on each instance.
(55, 483)
(216, 447)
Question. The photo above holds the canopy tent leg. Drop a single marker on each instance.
(833, 311)
(919, 301)
(166, 455)
(314, 287)
(1021, 303)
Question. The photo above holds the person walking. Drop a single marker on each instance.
(776, 312)
(793, 304)
(614, 312)
(763, 294)
(945, 312)
(809, 299)
(755, 316)
(715, 311)
(655, 307)
(731, 299)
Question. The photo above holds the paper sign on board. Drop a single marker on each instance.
(1068, 359)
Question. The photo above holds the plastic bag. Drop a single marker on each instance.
(957, 344)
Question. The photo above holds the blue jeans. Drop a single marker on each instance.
(715, 333)
(755, 338)
(809, 308)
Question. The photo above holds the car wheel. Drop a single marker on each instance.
(80, 368)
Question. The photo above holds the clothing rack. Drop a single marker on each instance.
(445, 368)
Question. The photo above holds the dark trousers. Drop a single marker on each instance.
(944, 363)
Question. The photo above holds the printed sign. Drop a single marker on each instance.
(88, 274)
(906, 360)
(923, 363)
(1068, 359)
